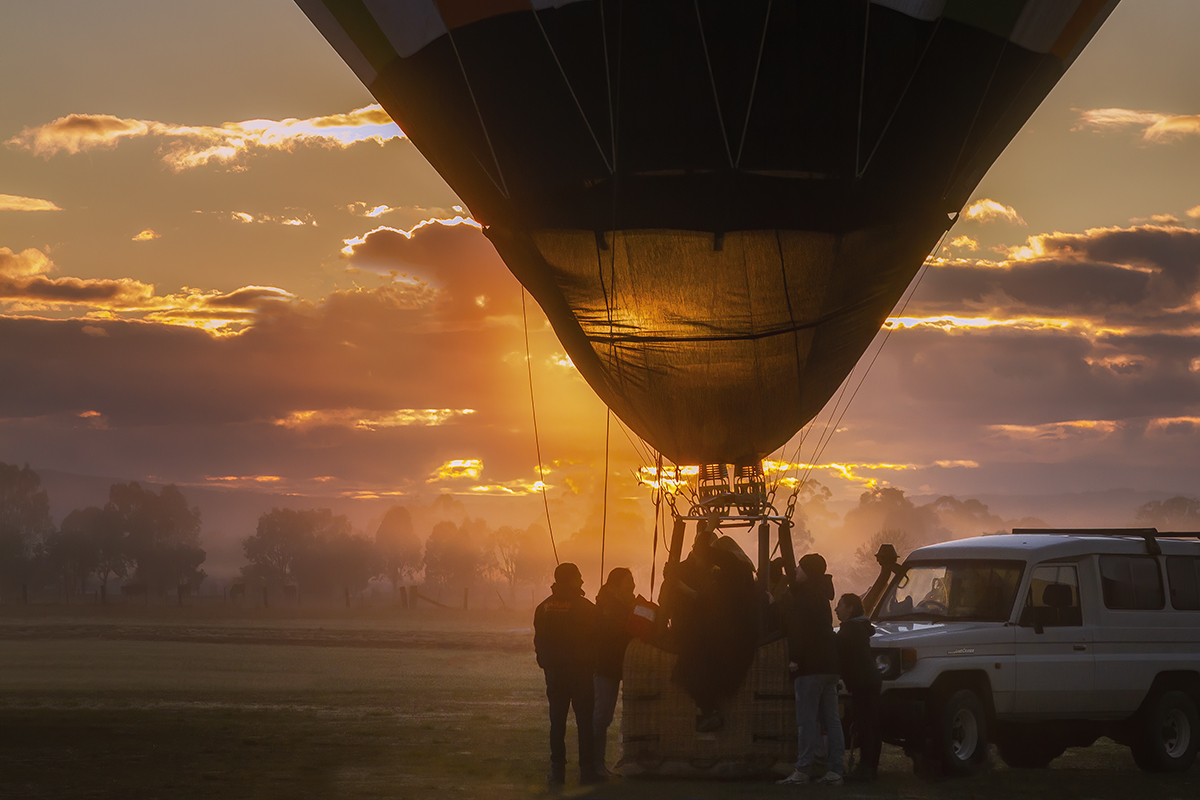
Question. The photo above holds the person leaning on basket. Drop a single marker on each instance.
(812, 649)
(614, 604)
(564, 638)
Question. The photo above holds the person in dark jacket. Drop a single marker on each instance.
(812, 648)
(713, 620)
(614, 604)
(564, 638)
(862, 679)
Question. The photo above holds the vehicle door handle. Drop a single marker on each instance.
(1080, 647)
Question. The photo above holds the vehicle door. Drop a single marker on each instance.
(1135, 640)
(1056, 668)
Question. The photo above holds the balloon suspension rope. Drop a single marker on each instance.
(604, 502)
(657, 520)
(536, 439)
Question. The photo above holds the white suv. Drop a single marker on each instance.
(1041, 640)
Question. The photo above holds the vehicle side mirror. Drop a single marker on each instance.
(1058, 596)
(1034, 617)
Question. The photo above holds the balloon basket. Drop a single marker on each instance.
(658, 724)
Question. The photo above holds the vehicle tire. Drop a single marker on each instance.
(1166, 732)
(1026, 750)
(960, 732)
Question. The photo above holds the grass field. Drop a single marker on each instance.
(181, 703)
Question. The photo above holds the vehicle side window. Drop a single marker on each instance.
(1183, 573)
(1053, 599)
(1131, 582)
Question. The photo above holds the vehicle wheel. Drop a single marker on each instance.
(1166, 733)
(1026, 750)
(960, 734)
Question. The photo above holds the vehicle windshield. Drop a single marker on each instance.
(953, 590)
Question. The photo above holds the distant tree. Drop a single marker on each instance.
(399, 546)
(315, 549)
(1176, 514)
(161, 534)
(24, 523)
(281, 542)
(967, 517)
(865, 566)
(71, 553)
(452, 558)
(886, 508)
(521, 556)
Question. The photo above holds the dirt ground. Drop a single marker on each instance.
(181, 703)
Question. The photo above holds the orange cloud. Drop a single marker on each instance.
(190, 146)
(1157, 127)
(147, 236)
(373, 420)
(1072, 429)
(1193, 212)
(24, 281)
(15, 202)
(987, 210)
(457, 469)
(965, 242)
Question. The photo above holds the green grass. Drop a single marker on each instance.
(130, 705)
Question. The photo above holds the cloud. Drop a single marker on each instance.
(1157, 127)
(292, 219)
(189, 146)
(24, 281)
(987, 210)
(1193, 212)
(965, 242)
(457, 469)
(147, 236)
(15, 202)
(373, 420)
(1100, 281)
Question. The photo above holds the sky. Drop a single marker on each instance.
(222, 265)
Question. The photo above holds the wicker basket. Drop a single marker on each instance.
(658, 723)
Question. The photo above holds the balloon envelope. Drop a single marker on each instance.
(717, 204)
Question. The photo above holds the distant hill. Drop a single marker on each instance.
(1109, 508)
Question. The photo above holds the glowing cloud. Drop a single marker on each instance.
(146, 236)
(364, 210)
(1072, 429)
(189, 146)
(457, 469)
(965, 243)
(14, 202)
(986, 210)
(1193, 212)
(1157, 128)
(351, 243)
(24, 280)
(373, 420)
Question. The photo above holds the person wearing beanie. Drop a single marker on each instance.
(564, 639)
(812, 649)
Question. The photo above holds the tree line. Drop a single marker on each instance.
(150, 539)
(318, 552)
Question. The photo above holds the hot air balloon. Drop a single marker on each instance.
(716, 203)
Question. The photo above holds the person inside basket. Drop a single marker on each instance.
(614, 604)
(713, 621)
(564, 639)
(862, 679)
(812, 649)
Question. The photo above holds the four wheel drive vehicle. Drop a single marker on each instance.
(1041, 640)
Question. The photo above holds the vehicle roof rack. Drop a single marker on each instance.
(1150, 535)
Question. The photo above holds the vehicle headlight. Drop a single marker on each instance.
(887, 663)
(891, 663)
